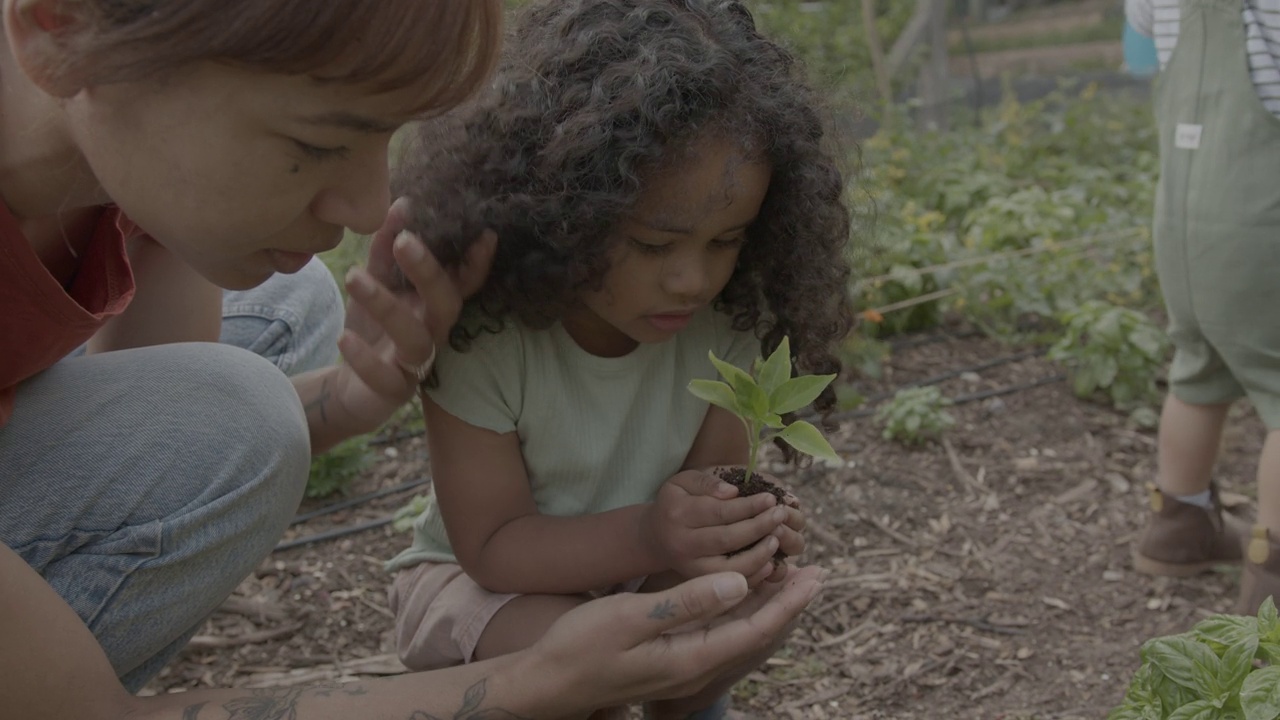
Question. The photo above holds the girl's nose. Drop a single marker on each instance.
(686, 277)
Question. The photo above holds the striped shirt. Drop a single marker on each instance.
(1159, 19)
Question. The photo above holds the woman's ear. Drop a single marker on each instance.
(41, 35)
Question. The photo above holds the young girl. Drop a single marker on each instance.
(656, 173)
(152, 152)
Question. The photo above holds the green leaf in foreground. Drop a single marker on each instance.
(807, 439)
(1260, 694)
(760, 401)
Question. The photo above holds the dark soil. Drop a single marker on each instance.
(754, 485)
(985, 575)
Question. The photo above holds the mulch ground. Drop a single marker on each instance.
(985, 576)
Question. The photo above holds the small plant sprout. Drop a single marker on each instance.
(760, 399)
(915, 415)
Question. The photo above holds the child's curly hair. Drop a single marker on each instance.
(591, 96)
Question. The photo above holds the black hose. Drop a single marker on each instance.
(333, 534)
(358, 500)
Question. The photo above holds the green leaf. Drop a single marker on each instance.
(1268, 624)
(798, 392)
(753, 401)
(716, 393)
(1260, 695)
(809, 440)
(737, 377)
(1186, 662)
(777, 369)
(1237, 662)
(774, 421)
(1269, 652)
(1198, 710)
(1227, 630)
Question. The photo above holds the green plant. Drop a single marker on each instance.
(915, 415)
(1224, 669)
(334, 470)
(760, 399)
(1114, 350)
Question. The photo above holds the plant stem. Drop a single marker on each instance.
(753, 438)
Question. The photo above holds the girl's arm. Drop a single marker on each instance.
(496, 531)
(722, 440)
(504, 543)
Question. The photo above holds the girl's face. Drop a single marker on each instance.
(240, 174)
(675, 252)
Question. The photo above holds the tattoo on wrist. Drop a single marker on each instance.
(471, 710)
(318, 402)
(664, 610)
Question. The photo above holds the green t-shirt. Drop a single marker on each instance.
(596, 433)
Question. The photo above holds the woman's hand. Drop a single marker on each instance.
(402, 304)
(631, 647)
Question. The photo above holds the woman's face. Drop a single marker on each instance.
(239, 173)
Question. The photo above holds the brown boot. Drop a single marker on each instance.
(1182, 539)
(1261, 576)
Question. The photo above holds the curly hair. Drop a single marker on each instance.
(592, 96)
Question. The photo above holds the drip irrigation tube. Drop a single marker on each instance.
(358, 500)
(333, 534)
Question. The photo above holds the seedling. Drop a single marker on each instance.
(915, 415)
(760, 399)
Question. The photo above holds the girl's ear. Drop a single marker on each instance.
(41, 35)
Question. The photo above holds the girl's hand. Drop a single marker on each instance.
(697, 520)
(402, 304)
(634, 647)
(790, 534)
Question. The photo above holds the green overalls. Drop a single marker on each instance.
(1217, 219)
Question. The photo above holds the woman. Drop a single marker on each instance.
(152, 152)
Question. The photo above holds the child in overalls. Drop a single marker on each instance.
(1217, 239)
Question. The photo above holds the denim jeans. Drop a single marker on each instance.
(145, 484)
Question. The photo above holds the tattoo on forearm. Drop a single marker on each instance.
(266, 705)
(471, 709)
(282, 704)
(664, 610)
(319, 401)
(276, 703)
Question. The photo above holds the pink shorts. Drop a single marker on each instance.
(441, 613)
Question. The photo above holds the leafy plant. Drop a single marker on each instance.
(1224, 669)
(760, 399)
(333, 471)
(915, 415)
(1114, 350)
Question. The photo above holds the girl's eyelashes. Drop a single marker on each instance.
(729, 242)
(316, 152)
(650, 248)
(726, 243)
